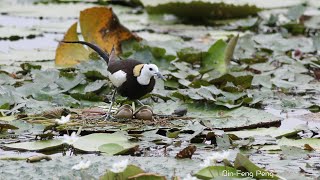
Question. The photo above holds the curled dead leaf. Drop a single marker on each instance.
(186, 152)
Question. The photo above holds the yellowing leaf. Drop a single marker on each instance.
(99, 25)
(70, 54)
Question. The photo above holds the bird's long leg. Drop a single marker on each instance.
(113, 98)
(138, 101)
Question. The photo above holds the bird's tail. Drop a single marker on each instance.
(96, 48)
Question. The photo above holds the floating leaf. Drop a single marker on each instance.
(101, 26)
(97, 141)
(130, 171)
(234, 119)
(36, 145)
(312, 142)
(272, 131)
(245, 164)
(190, 55)
(215, 58)
(195, 11)
(5, 126)
(111, 148)
(217, 171)
(6, 79)
(147, 176)
(70, 54)
(230, 49)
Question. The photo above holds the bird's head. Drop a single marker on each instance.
(145, 72)
(151, 70)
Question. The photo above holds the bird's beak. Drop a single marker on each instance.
(159, 75)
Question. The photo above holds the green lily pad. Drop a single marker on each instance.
(96, 142)
(6, 79)
(245, 164)
(233, 119)
(313, 142)
(36, 145)
(114, 149)
(5, 126)
(147, 176)
(8, 118)
(195, 11)
(215, 58)
(272, 131)
(131, 170)
(211, 172)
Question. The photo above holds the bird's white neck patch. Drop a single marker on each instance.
(143, 80)
(147, 72)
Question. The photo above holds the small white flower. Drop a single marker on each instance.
(119, 167)
(64, 119)
(189, 177)
(214, 157)
(82, 165)
(70, 139)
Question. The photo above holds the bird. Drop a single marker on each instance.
(131, 78)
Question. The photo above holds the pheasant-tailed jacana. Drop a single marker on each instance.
(132, 79)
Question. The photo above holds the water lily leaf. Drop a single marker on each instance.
(282, 44)
(245, 164)
(6, 79)
(27, 67)
(199, 11)
(101, 26)
(216, 171)
(93, 69)
(67, 82)
(94, 86)
(223, 142)
(263, 80)
(313, 142)
(296, 12)
(65, 100)
(147, 176)
(233, 119)
(90, 96)
(36, 145)
(230, 49)
(272, 131)
(5, 126)
(70, 54)
(130, 171)
(92, 142)
(215, 58)
(146, 53)
(292, 152)
(316, 42)
(240, 80)
(44, 78)
(190, 55)
(8, 118)
(111, 148)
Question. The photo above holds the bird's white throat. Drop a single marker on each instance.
(144, 78)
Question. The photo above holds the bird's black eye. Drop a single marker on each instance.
(150, 69)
